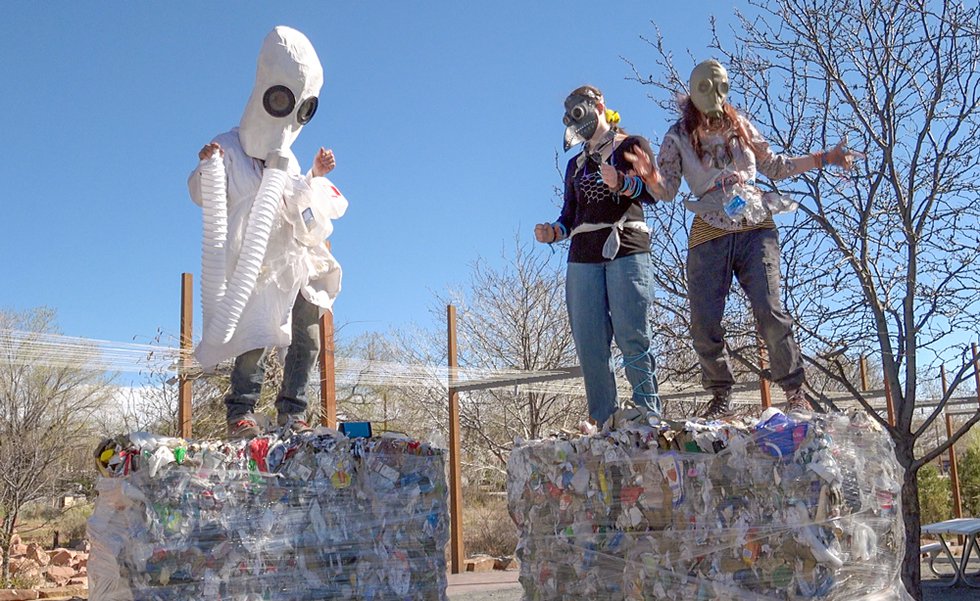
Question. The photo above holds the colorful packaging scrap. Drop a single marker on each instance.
(309, 516)
(761, 509)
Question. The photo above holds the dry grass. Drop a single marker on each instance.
(487, 527)
(40, 522)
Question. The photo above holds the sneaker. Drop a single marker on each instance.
(634, 416)
(294, 422)
(246, 426)
(720, 405)
(796, 402)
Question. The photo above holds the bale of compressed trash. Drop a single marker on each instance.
(768, 508)
(302, 517)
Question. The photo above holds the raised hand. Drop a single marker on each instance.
(610, 177)
(643, 165)
(324, 162)
(208, 151)
(841, 156)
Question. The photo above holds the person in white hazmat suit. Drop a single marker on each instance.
(266, 270)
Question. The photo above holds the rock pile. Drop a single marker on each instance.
(42, 570)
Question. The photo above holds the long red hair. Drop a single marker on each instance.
(695, 124)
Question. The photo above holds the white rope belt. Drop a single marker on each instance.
(611, 247)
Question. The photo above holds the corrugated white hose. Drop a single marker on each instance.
(214, 186)
(239, 288)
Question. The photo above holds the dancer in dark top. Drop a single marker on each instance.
(608, 281)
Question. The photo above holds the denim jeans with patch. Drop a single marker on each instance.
(753, 258)
(249, 371)
(612, 300)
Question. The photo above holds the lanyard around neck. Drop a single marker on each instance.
(602, 152)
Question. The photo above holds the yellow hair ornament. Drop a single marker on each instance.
(612, 117)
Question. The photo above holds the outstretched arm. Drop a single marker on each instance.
(661, 175)
(840, 156)
(778, 166)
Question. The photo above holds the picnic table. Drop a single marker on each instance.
(967, 527)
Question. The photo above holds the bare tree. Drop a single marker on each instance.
(153, 406)
(47, 414)
(386, 384)
(514, 318)
(884, 262)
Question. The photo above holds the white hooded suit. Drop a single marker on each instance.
(295, 258)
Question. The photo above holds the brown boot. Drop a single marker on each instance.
(720, 405)
(796, 402)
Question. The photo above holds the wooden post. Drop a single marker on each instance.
(976, 370)
(954, 474)
(328, 381)
(328, 374)
(455, 471)
(864, 373)
(888, 389)
(889, 406)
(184, 393)
(763, 383)
(384, 410)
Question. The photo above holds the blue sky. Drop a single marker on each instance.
(445, 118)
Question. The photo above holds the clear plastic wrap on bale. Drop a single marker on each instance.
(312, 516)
(759, 509)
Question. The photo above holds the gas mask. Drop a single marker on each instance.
(284, 99)
(709, 88)
(581, 118)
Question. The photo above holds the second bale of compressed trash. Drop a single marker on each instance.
(774, 508)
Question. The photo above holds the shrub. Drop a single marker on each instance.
(969, 467)
(935, 496)
(28, 580)
(71, 524)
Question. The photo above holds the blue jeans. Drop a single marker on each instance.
(606, 300)
(249, 371)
